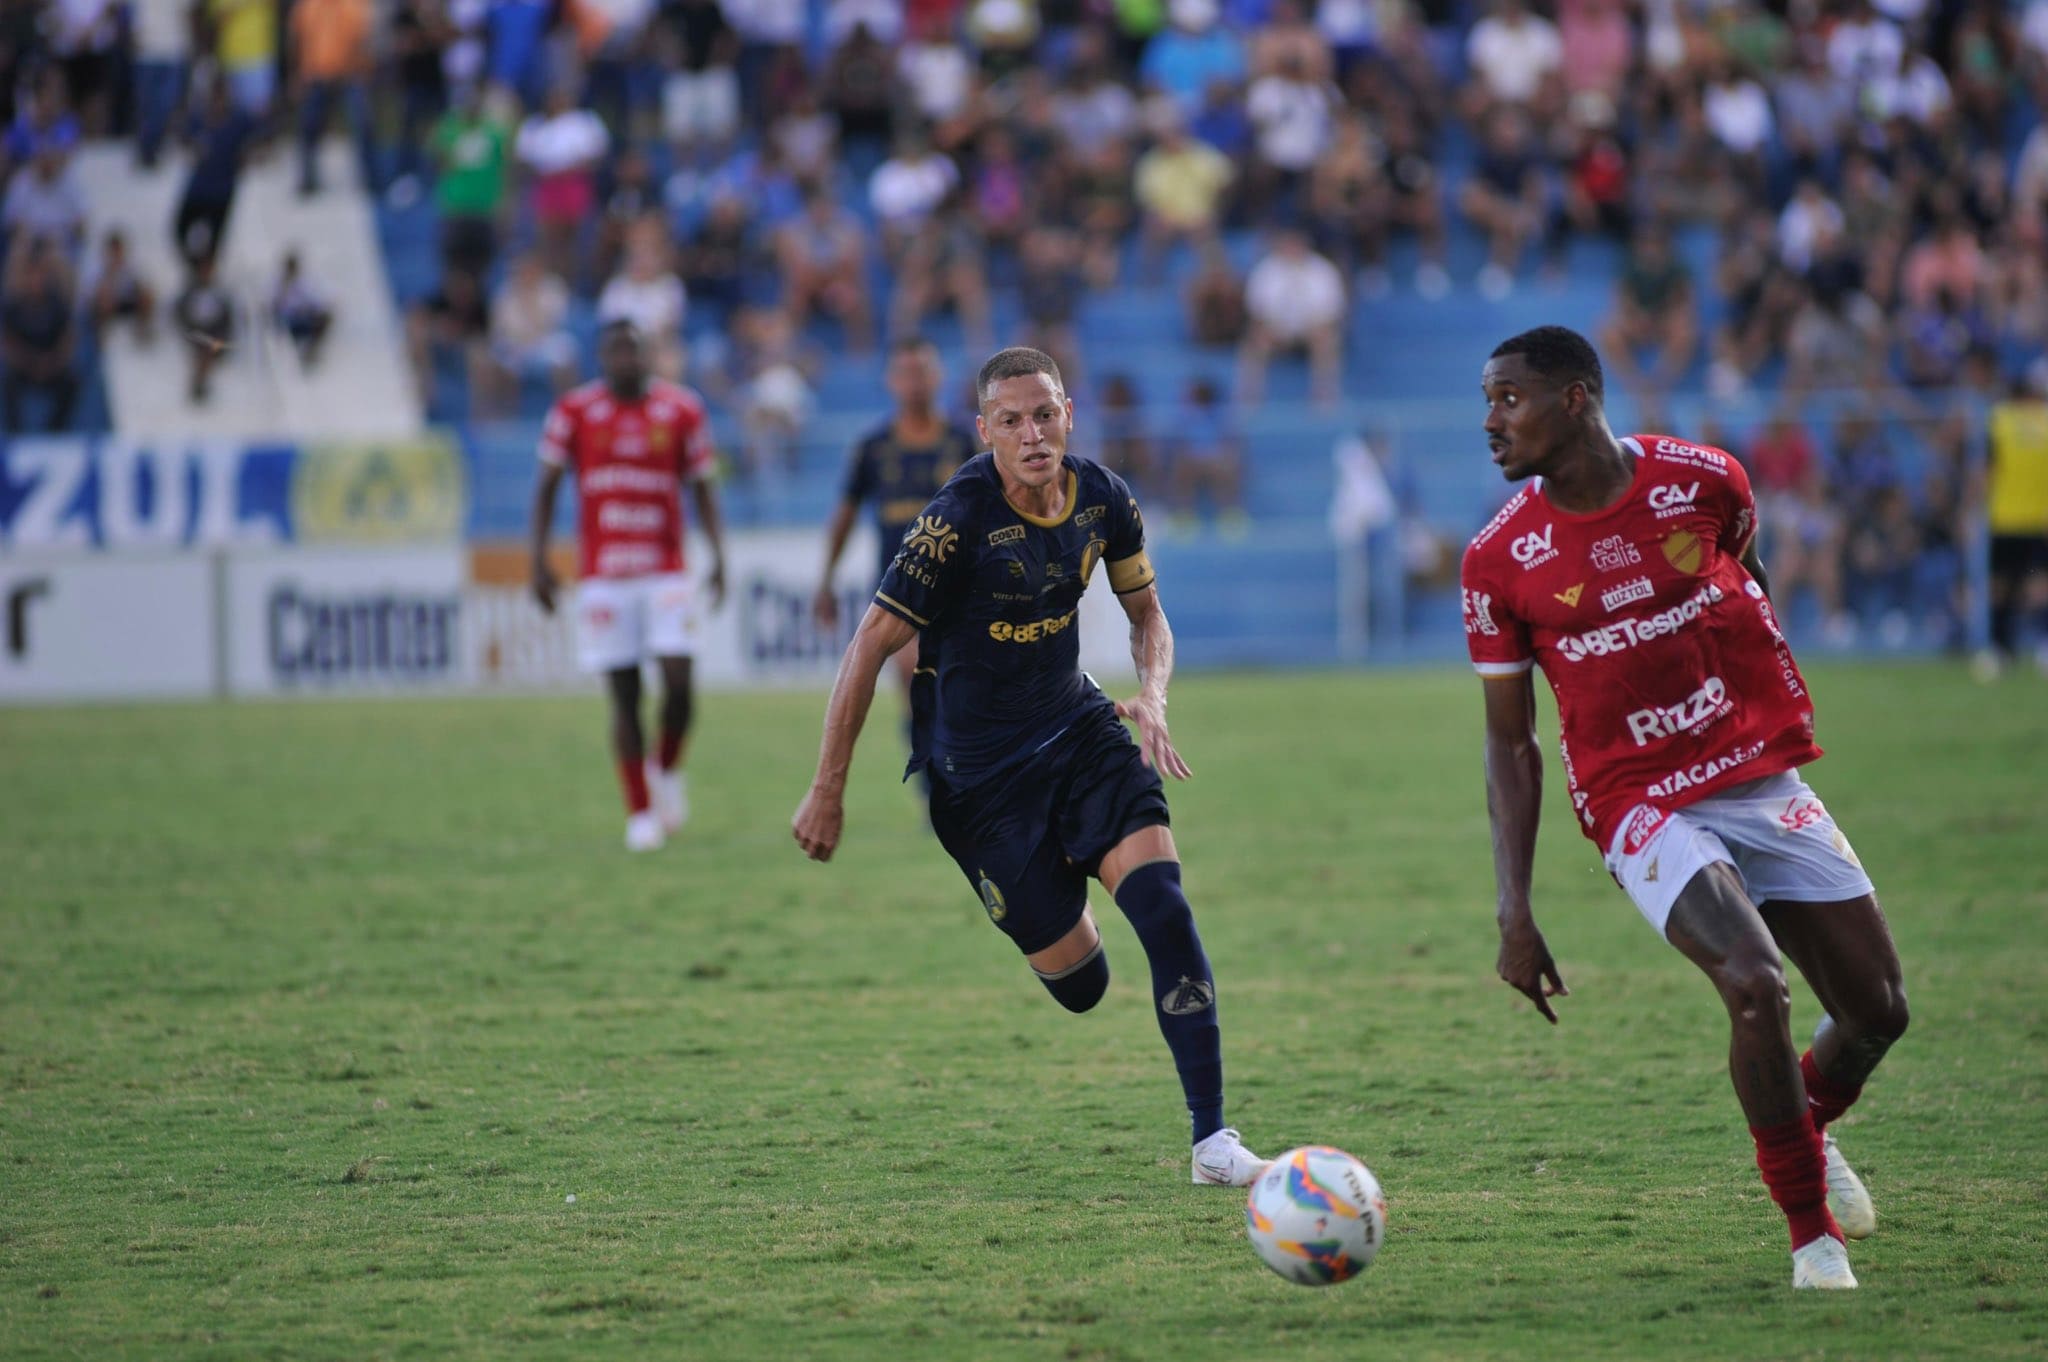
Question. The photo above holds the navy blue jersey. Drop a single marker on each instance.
(996, 595)
(900, 479)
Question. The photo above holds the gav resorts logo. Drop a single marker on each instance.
(1533, 548)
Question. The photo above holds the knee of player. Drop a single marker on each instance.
(1079, 986)
(1887, 1016)
(1753, 985)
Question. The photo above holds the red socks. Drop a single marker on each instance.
(1826, 1099)
(669, 748)
(633, 784)
(1789, 1156)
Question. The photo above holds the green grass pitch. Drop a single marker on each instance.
(313, 1017)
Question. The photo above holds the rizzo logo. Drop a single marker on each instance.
(1479, 613)
(1673, 499)
(1614, 553)
(1635, 589)
(1533, 548)
(1642, 826)
(1694, 713)
(1801, 811)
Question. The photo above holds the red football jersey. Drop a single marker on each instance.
(1672, 677)
(631, 460)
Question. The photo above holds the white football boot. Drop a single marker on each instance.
(1847, 1197)
(644, 833)
(1822, 1265)
(1221, 1160)
(670, 796)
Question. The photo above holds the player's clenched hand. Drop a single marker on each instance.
(544, 587)
(1153, 741)
(817, 824)
(1525, 963)
(825, 608)
(716, 583)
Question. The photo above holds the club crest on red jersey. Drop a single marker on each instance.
(1684, 551)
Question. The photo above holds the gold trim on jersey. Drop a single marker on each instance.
(1073, 491)
(900, 608)
(1131, 574)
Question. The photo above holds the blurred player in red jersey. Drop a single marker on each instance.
(1628, 572)
(634, 441)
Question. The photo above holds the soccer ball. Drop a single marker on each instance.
(1316, 1216)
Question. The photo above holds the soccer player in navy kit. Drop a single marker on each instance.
(899, 466)
(1035, 785)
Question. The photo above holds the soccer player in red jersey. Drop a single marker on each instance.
(1627, 570)
(633, 441)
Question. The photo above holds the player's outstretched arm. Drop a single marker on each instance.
(1152, 650)
(1514, 802)
(820, 817)
(705, 493)
(541, 521)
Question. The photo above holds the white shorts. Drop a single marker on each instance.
(1774, 831)
(621, 621)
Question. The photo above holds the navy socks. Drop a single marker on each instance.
(1183, 990)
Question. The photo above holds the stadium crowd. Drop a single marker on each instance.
(760, 183)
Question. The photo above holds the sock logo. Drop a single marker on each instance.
(1188, 997)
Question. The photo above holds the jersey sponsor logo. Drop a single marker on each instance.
(1614, 553)
(1693, 715)
(1002, 631)
(1016, 570)
(1672, 499)
(1090, 556)
(1625, 634)
(1479, 613)
(1744, 518)
(931, 538)
(1088, 515)
(620, 478)
(1700, 772)
(1188, 997)
(1801, 812)
(631, 517)
(1650, 875)
(1693, 454)
(1641, 827)
(1500, 518)
(1685, 551)
(1533, 548)
(1009, 534)
(1635, 589)
(1571, 596)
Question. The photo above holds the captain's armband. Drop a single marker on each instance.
(1131, 574)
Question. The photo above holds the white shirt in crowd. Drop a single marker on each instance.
(1292, 297)
(1738, 113)
(654, 305)
(1292, 119)
(767, 21)
(905, 192)
(1800, 226)
(1515, 59)
(1861, 51)
(552, 143)
(1920, 92)
(163, 31)
(940, 78)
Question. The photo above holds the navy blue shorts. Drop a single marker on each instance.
(1029, 839)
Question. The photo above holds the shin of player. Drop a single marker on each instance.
(1035, 784)
(634, 442)
(1626, 570)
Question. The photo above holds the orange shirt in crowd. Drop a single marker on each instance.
(332, 37)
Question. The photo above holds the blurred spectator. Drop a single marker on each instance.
(1654, 310)
(774, 390)
(1878, 560)
(515, 34)
(470, 146)
(1343, 200)
(529, 334)
(822, 255)
(243, 35)
(942, 266)
(1215, 300)
(85, 37)
(559, 149)
(715, 262)
(1292, 113)
(1516, 58)
(908, 188)
(859, 83)
(420, 36)
(205, 314)
(2016, 497)
(881, 18)
(1122, 442)
(1208, 457)
(1738, 114)
(1190, 54)
(1596, 198)
(936, 71)
(162, 41)
(1097, 203)
(115, 292)
(44, 201)
(1411, 200)
(1287, 41)
(301, 309)
(806, 138)
(700, 89)
(1806, 216)
(1091, 106)
(1004, 32)
(38, 343)
(1914, 89)
(647, 293)
(1049, 286)
(1947, 260)
(331, 61)
(453, 323)
(1596, 48)
(621, 79)
(996, 191)
(1507, 197)
(1863, 46)
(43, 123)
(1813, 109)
(1295, 301)
(1836, 336)
(220, 137)
(630, 197)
